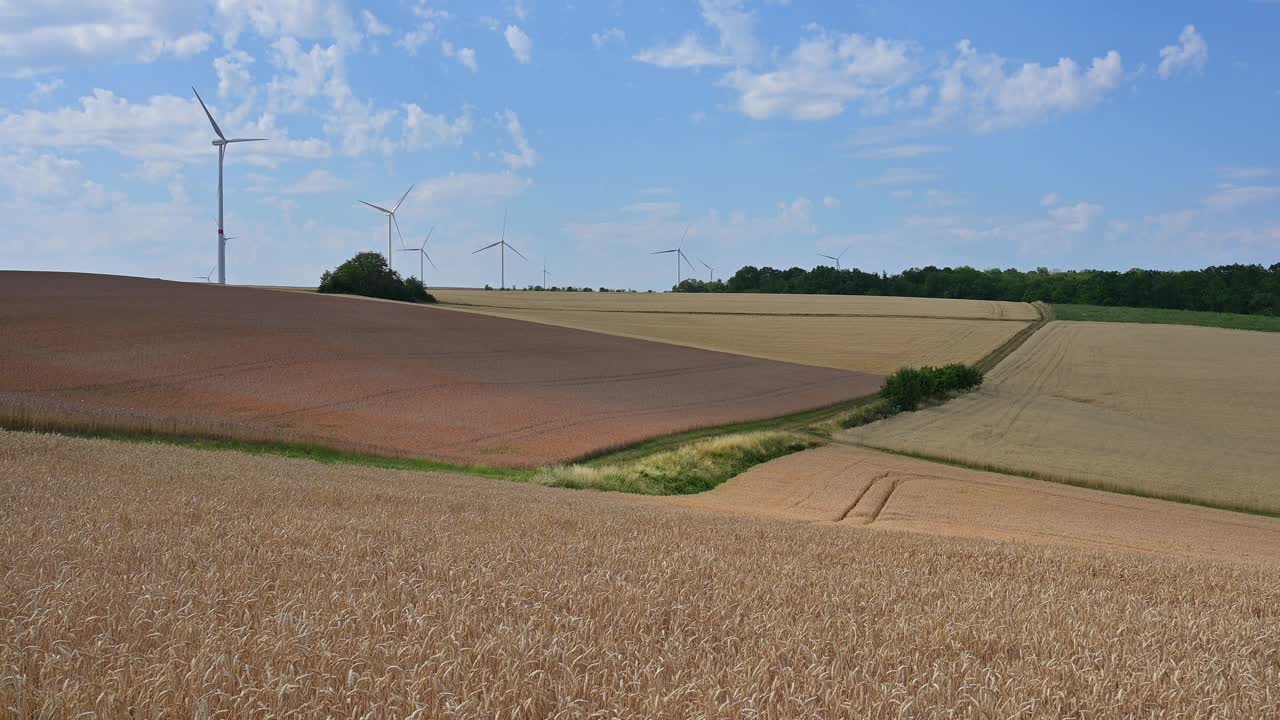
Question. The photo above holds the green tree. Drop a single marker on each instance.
(367, 274)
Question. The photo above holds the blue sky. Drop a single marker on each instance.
(1009, 134)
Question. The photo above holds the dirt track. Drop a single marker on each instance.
(855, 486)
(377, 376)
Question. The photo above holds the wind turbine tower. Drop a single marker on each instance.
(503, 246)
(836, 257)
(545, 274)
(391, 218)
(679, 251)
(221, 143)
(422, 253)
(711, 272)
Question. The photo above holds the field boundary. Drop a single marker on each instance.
(993, 358)
(1084, 483)
(526, 308)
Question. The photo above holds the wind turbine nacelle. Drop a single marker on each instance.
(216, 143)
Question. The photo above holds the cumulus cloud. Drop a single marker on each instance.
(1190, 54)
(520, 43)
(899, 176)
(456, 189)
(271, 19)
(910, 150)
(831, 202)
(525, 156)
(424, 130)
(1049, 200)
(466, 56)
(688, 53)
(1233, 197)
(317, 182)
(976, 88)
(1076, 218)
(233, 73)
(372, 25)
(43, 89)
(613, 34)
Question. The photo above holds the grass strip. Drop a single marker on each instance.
(1231, 321)
(1085, 483)
(692, 467)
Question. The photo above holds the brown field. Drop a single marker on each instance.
(1188, 413)
(742, 303)
(150, 581)
(869, 344)
(860, 487)
(99, 352)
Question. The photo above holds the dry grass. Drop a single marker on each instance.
(153, 581)
(868, 344)
(1185, 413)
(857, 486)
(746, 303)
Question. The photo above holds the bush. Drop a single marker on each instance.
(367, 274)
(906, 388)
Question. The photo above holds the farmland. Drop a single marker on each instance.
(100, 353)
(846, 332)
(1236, 321)
(1178, 412)
(857, 487)
(151, 580)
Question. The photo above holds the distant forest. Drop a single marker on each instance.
(1251, 289)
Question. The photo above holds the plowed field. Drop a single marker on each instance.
(861, 487)
(151, 581)
(132, 354)
(1181, 412)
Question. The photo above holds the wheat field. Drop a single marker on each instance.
(151, 581)
(1187, 413)
(743, 303)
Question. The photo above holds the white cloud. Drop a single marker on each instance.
(28, 175)
(1076, 218)
(664, 209)
(372, 25)
(1049, 200)
(296, 18)
(656, 191)
(688, 53)
(976, 88)
(822, 74)
(317, 182)
(736, 27)
(901, 151)
(233, 73)
(520, 44)
(465, 56)
(457, 189)
(414, 39)
(423, 130)
(525, 156)
(899, 176)
(831, 202)
(1245, 173)
(1191, 54)
(43, 89)
(1233, 197)
(613, 34)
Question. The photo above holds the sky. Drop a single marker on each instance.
(901, 134)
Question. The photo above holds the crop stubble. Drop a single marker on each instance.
(133, 354)
(181, 582)
(1187, 413)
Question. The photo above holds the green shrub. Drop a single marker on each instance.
(906, 388)
(367, 274)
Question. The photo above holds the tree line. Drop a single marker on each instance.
(1249, 289)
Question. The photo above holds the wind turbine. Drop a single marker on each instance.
(391, 218)
(679, 251)
(836, 257)
(207, 278)
(221, 143)
(228, 237)
(422, 253)
(502, 246)
(711, 272)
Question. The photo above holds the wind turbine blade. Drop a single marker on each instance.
(826, 256)
(402, 197)
(682, 237)
(522, 257)
(842, 252)
(246, 140)
(375, 207)
(396, 222)
(663, 252)
(486, 247)
(433, 262)
(428, 238)
(686, 260)
(209, 115)
(503, 237)
(704, 264)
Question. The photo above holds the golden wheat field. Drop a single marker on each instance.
(1188, 413)
(150, 581)
(853, 486)
(741, 303)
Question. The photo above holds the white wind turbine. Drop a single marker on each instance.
(503, 246)
(208, 278)
(422, 253)
(711, 272)
(679, 251)
(391, 218)
(221, 143)
(836, 257)
(545, 273)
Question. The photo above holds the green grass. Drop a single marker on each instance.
(1097, 313)
(692, 467)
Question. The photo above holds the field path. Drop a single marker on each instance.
(858, 486)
